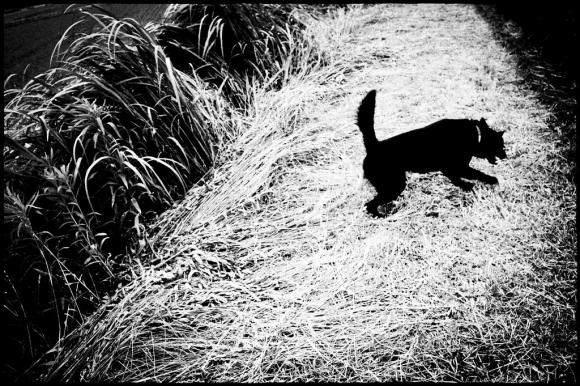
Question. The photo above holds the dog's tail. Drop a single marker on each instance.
(366, 121)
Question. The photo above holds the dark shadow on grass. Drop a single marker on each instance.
(542, 38)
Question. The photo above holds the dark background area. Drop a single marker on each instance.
(544, 44)
(547, 48)
(31, 33)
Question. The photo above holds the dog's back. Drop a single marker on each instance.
(448, 142)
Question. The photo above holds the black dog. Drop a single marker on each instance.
(446, 146)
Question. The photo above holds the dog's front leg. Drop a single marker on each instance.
(474, 174)
(454, 177)
(380, 199)
(373, 206)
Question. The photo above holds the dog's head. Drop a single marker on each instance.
(491, 145)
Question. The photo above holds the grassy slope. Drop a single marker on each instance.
(454, 286)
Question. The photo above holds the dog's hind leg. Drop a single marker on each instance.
(389, 187)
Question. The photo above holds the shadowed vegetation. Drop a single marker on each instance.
(228, 44)
(540, 37)
(128, 118)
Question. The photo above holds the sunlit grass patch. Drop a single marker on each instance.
(229, 45)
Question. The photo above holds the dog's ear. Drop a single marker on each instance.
(482, 121)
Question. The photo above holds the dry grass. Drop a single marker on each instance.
(272, 271)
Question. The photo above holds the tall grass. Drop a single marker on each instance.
(228, 44)
(95, 148)
(98, 146)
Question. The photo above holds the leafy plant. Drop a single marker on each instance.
(228, 43)
(93, 149)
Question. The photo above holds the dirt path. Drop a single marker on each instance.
(448, 288)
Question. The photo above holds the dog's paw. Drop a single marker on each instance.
(466, 186)
(383, 210)
(373, 210)
(389, 208)
(377, 215)
(492, 180)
